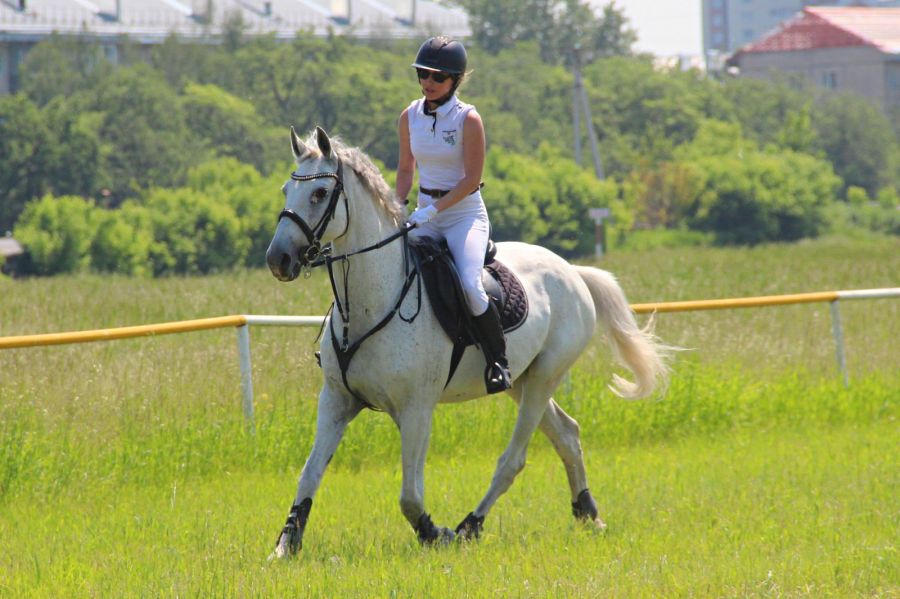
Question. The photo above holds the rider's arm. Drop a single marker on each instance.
(473, 161)
(407, 163)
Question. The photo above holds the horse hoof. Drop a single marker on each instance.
(442, 538)
(470, 528)
(430, 535)
(281, 550)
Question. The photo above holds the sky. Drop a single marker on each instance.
(664, 27)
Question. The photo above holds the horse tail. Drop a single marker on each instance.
(637, 349)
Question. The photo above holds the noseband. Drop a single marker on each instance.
(314, 234)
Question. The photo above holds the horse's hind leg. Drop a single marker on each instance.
(564, 434)
(335, 412)
(532, 395)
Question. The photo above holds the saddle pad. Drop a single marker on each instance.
(513, 304)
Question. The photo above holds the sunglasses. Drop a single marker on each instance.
(436, 76)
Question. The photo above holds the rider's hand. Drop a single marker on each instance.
(422, 215)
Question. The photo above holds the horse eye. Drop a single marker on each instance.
(319, 193)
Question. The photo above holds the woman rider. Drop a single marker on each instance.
(444, 137)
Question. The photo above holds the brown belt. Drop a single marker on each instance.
(439, 193)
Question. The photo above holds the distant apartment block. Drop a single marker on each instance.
(728, 25)
(845, 49)
(24, 23)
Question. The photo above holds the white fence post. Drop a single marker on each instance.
(243, 339)
(838, 331)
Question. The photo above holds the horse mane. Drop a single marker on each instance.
(369, 174)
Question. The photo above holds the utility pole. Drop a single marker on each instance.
(579, 96)
(576, 114)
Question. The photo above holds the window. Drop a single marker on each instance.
(717, 21)
(718, 38)
(829, 80)
(748, 34)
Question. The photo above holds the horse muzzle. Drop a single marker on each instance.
(284, 263)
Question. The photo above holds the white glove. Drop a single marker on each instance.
(422, 215)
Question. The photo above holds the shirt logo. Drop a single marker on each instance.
(449, 136)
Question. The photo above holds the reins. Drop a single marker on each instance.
(316, 256)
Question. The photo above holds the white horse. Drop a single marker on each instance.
(337, 196)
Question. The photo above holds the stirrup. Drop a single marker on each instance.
(497, 378)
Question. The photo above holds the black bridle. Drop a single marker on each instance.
(314, 234)
(314, 256)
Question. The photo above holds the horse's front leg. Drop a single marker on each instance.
(335, 412)
(415, 432)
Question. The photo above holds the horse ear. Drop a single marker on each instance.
(297, 147)
(323, 141)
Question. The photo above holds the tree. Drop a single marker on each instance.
(24, 150)
(642, 113)
(77, 155)
(763, 107)
(145, 127)
(558, 26)
(544, 199)
(231, 126)
(61, 66)
(499, 24)
(859, 141)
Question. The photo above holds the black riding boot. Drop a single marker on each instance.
(490, 336)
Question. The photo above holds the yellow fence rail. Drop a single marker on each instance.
(741, 302)
(243, 321)
(145, 330)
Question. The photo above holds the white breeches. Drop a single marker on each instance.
(466, 228)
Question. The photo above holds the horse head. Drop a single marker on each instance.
(310, 218)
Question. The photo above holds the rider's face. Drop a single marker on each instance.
(432, 89)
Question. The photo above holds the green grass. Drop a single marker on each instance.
(125, 469)
(799, 512)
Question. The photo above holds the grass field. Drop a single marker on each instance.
(125, 469)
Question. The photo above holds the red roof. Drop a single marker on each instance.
(834, 27)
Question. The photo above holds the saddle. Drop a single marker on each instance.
(435, 264)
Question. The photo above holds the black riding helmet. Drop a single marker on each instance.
(442, 54)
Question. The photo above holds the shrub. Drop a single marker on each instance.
(123, 241)
(254, 199)
(194, 233)
(56, 234)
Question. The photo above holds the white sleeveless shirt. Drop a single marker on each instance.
(437, 143)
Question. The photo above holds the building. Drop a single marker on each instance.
(731, 24)
(9, 247)
(849, 49)
(23, 23)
